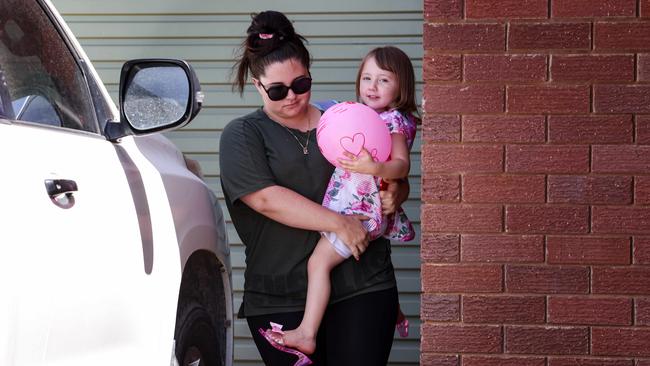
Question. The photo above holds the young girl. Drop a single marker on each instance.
(386, 83)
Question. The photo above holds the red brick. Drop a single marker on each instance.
(440, 308)
(439, 360)
(502, 248)
(441, 67)
(643, 67)
(620, 159)
(621, 280)
(504, 309)
(502, 68)
(641, 249)
(590, 129)
(588, 362)
(642, 190)
(443, 9)
(463, 98)
(462, 158)
(547, 219)
(645, 12)
(626, 342)
(441, 248)
(549, 36)
(564, 99)
(590, 189)
(588, 250)
(620, 220)
(619, 36)
(440, 188)
(503, 361)
(464, 37)
(593, 8)
(549, 159)
(454, 218)
(589, 310)
(547, 279)
(504, 188)
(643, 130)
(462, 278)
(592, 68)
(622, 98)
(509, 129)
(642, 311)
(485, 9)
(441, 128)
(461, 338)
(640, 362)
(547, 340)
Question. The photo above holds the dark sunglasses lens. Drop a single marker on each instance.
(277, 92)
(301, 86)
(298, 86)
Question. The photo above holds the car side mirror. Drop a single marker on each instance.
(155, 95)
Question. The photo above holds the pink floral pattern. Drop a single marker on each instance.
(356, 193)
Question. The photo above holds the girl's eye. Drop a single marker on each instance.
(365, 78)
(384, 81)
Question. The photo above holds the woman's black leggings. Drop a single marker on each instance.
(356, 331)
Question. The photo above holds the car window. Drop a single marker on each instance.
(40, 79)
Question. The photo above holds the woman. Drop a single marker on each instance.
(274, 178)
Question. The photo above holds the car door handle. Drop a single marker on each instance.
(57, 187)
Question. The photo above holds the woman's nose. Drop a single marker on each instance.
(290, 94)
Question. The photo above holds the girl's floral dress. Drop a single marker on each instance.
(355, 193)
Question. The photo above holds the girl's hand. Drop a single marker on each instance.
(353, 234)
(363, 163)
(396, 193)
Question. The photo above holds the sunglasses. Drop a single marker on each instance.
(300, 85)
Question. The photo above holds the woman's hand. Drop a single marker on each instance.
(396, 193)
(353, 234)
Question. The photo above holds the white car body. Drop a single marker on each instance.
(99, 282)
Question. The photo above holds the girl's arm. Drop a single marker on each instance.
(397, 167)
(292, 209)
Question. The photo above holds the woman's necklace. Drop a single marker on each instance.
(305, 147)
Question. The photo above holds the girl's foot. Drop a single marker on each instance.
(402, 325)
(274, 337)
(299, 339)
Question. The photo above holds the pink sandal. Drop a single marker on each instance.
(403, 328)
(276, 328)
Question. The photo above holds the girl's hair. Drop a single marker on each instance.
(270, 38)
(393, 59)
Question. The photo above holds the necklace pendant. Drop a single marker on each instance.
(305, 151)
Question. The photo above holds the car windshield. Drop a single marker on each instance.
(40, 80)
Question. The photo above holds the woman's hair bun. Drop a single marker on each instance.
(271, 26)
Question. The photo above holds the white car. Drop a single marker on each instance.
(112, 251)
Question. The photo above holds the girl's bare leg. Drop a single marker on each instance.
(322, 261)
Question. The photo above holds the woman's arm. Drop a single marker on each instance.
(396, 193)
(292, 209)
(397, 167)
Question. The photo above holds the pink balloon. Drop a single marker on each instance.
(351, 126)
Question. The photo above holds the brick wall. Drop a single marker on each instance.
(536, 183)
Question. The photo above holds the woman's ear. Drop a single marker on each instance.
(256, 84)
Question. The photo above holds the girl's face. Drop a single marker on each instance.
(284, 73)
(378, 88)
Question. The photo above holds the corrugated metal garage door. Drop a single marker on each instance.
(206, 33)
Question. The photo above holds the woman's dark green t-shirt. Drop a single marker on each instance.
(257, 152)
